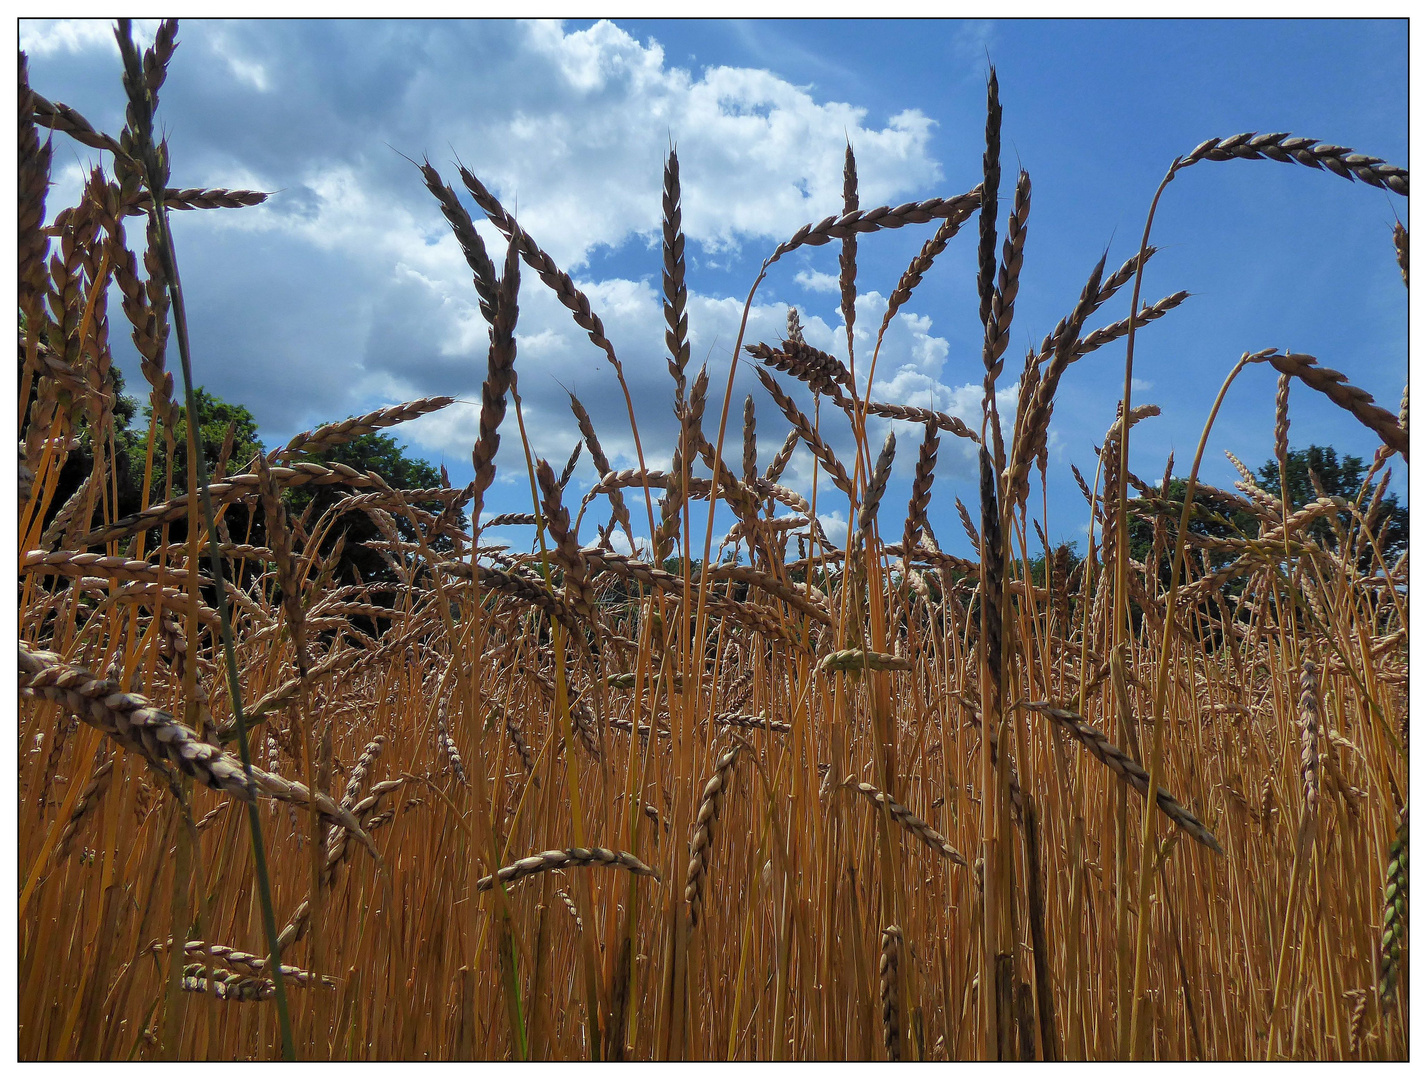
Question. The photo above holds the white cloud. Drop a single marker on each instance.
(758, 155)
(46, 37)
(570, 129)
(816, 281)
(834, 523)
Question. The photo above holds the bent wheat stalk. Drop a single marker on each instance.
(1127, 769)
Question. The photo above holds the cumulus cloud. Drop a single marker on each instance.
(51, 36)
(568, 127)
(817, 281)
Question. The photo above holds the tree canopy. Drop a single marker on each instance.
(1342, 477)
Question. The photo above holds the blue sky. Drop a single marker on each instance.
(346, 291)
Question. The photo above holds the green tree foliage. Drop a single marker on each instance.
(1342, 477)
(229, 435)
(216, 419)
(1210, 516)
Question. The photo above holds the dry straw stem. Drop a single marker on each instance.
(137, 725)
(908, 820)
(559, 860)
(1127, 769)
(710, 803)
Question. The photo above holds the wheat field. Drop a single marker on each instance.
(769, 795)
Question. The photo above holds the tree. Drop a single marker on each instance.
(1342, 477)
(384, 456)
(216, 418)
(128, 452)
(1209, 517)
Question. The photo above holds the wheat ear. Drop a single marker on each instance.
(700, 846)
(136, 724)
(559, 860)
(1281, 146)
(887, 972)
(1127, 769)
(1394, 915)
(909, 821)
